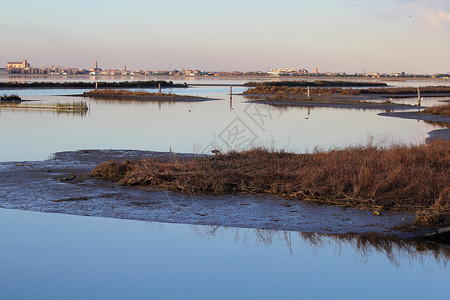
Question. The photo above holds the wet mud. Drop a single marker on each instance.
(63, 184)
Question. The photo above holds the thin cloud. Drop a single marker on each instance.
(437, 18)
(433, 13)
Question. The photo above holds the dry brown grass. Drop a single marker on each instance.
(286, 90)
(407, 178)
(441, 110)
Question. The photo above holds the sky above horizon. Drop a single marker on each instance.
(351, 36)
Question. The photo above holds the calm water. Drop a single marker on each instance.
(193, 127)
(51, 256)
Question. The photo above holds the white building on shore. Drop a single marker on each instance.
(287, 72)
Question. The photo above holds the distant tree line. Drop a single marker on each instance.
(120, 84)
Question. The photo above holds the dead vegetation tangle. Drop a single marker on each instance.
(407, 178)
(440, 110)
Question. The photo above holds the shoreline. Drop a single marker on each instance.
(443, 133)
(229, 76)
(327, 101)
(154, 97)
(63, 184)
(414, 115)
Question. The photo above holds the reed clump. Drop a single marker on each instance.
(406, 178)
(440, 110)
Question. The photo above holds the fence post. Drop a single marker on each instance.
(418, 96)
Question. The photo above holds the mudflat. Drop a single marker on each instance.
(63, 184)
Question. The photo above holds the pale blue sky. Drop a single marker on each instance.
(333, 35)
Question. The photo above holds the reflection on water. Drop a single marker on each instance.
(195, 126)
(394, 249)
(52, 256)
(425, 101)
(438, 124)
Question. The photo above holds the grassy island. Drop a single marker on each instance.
(139, 95)
(337, 101)
(382, 92)
(404, 178)
(317, 83)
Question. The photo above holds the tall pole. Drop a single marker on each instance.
(308, 92)
(159, 87)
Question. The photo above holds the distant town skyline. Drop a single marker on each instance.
(24, 67)
(356, 36)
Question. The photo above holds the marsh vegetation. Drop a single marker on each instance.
(401, 177)
(139, 95)
(316, 83)
(440, 110)
(388, 91)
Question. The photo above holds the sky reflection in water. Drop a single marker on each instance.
(192, 127)
(54, 256)
(73, 257)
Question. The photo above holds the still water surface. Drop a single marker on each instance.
(51, 256)
(193, 127)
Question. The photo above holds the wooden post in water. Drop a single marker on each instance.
(159, 88)
(308, 92)
(418, 96)
(231, 97)
(96, 85)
